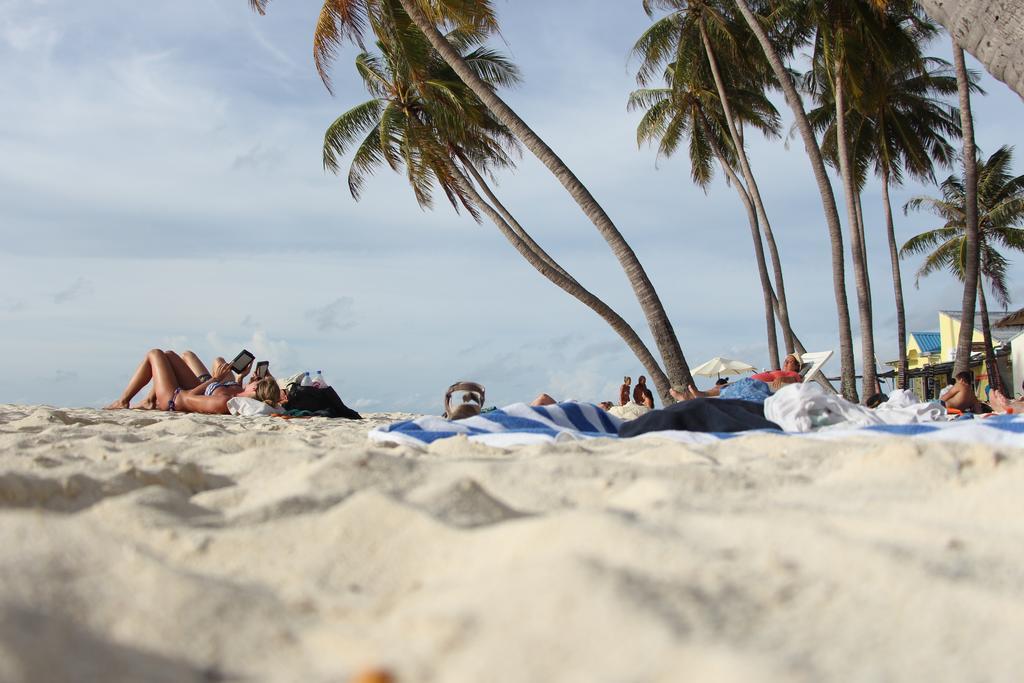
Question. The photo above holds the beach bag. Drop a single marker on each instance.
(317, 400)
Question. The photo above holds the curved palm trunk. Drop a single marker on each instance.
(661, 328)
(547, 267)
(770, 300)
(972, 256)
(994, 379)
(897, 282)
(849, 380)
(753, 192)
(510, 219)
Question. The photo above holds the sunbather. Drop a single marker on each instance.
(174, 387)
(962, 397)
(1001, 404)
(191, 372)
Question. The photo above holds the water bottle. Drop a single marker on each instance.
(320, 381)
(306, 381)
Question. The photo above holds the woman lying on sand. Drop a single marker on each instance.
(175, 388)
(191, 372)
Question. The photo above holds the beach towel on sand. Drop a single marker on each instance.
(520, 424)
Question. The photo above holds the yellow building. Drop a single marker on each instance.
(949, 331)
(932, 353)
(923, 348)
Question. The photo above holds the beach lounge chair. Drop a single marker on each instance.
(812, 362)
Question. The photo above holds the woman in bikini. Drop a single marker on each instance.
(177, 389)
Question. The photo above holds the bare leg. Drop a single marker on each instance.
(182, 371)
(140, 379)
(154, 367)
(543, 400)
(186, 378)
(194, 364)
(1001, 404)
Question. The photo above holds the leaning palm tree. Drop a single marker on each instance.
(342, 20)
(758, 23)
(689, 108)
(708, 32)
(438, 131)
(1000, 215)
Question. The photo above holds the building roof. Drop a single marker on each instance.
(928, 342)
(1003, 333)
(1011, 320)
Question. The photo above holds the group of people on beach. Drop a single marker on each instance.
(183, 383)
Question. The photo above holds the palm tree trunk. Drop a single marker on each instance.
(994, 380)
(835, 233)
(972, 256)
(755, 234)
(547, 267)
(752, 190)
(510, 219)
(897, 282)
(856, 244)
(661, 328)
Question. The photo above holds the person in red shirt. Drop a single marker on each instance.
(789, 373)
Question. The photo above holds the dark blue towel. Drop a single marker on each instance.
(702, 415)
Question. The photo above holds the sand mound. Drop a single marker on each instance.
(146, 546)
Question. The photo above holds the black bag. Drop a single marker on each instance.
(316, 399)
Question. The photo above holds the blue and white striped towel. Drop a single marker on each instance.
(512, 425)
(520, 424)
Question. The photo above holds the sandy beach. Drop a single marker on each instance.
(157, 547)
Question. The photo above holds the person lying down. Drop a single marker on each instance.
(176, 387)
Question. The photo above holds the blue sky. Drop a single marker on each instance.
(161, 186)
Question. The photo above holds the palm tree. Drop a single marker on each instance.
(713, 27)
(909, 133)
(444, 137)
(689, 108)
(680, 111)
(1000, 212)
(342, 20)
(785, 79)
(898, 124)
(853, 41)
(972, 244)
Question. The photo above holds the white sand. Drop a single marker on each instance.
(153, 547)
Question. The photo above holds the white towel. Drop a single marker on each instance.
(806, 407)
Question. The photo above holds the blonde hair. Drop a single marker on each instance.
(268, 391)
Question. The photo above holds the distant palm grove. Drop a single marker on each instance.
(865, 96)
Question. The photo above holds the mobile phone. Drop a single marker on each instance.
(262, 369)
(242, 361)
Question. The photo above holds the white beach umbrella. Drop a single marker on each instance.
(722, 366)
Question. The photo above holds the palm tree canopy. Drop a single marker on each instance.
(422, 119)
(1000, 213)
(349, 20)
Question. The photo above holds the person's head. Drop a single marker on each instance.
(722, 381)
(605, 405)
(268, 391)
(641, 380)
(627, 380)
(875, 400)
(791, 363)
(966, 377)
